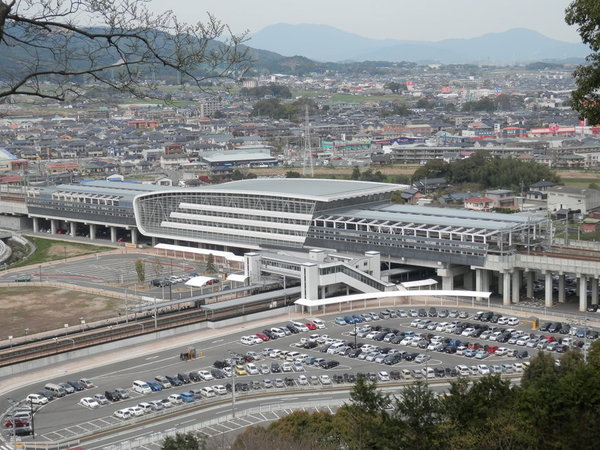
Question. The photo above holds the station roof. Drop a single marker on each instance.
(308, 188)
(447, 217)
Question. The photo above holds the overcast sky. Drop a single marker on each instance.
(430, 20)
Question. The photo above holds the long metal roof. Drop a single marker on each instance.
(304, 188)
(438, 216)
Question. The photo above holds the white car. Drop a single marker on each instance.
(302, 380)
(166, 403)
(89, 402)
(136, 411)
(122, 414)
(483, 369)
(503, 320)
(175, 399)
(287, 366)
(324, 379)
(513, 321)
(205, 375)
(383, 376)
(265, 369)
(251, 369)
(421, 358)
(220, 389)
(36, 399)
(502, 351)
(248, 340)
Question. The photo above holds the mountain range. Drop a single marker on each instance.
(326, 43)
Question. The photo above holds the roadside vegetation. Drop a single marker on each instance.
(554, 407)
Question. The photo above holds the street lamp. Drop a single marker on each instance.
(10, 338)
(66, 329)
(232, 389)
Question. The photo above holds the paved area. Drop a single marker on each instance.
(8, 384)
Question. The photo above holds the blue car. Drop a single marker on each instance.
(357, 318)
(348, 319)
(187, 397)
(155, 386)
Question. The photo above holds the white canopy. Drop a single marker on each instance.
(418, 283)
(199, 281)
(238, 277)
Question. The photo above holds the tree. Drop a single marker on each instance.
(293, 174)
(392, 86)
(210, 264)
(355, 173)
(184, 441)
(47, 49)
(585, 99)
(140, 270)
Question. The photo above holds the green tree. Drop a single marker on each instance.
(585, 99)
(184, 441)
(211, 267)
(393, 86)
(434, 168)
(48, 50)
(355, 173)
(140, 270)
(293, 174)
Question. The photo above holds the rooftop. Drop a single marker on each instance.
(311, 189)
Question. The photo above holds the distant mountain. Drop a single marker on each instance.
(325, 43)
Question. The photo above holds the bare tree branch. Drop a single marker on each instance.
(47, 45)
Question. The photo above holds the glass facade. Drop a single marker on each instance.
(239, 218)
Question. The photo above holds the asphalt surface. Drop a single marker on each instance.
(64, 418)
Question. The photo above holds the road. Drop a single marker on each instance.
(65, 419)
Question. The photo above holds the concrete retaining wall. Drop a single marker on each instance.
(15, 223)
(120, 344)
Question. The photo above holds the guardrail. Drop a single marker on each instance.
(240, 396)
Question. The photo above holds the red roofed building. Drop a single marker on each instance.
(479, 204)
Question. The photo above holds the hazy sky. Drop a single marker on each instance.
(387, 19)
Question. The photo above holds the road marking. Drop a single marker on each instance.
(151, 357)
(217, 341)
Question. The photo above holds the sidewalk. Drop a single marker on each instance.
(175, 343)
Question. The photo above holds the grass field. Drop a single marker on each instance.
(53, 250)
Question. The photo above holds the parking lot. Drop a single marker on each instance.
(387, 346)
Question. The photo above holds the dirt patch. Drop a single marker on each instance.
(45, 308)
(66, 250)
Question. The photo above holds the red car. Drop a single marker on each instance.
(311, 326)
(492, 349)
(18, 422)
(263, 336)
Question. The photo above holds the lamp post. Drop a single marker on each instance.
(66, 329)
(354, 334)
(232, 389)
(10, 338)
(14, 425)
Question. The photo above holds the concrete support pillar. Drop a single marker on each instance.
(468, 280)
(176, 242)
(501, 289)
(561, 288)
(113, 234)
(482, 280)
(548, 289)
(582, 283)
(154, 241)
(516, 286)
(529, 283)
(36, 225)
(252, 264)
(73, 226)
(323, 292)
(93, 228)
(506, 289)
(594, 282)
(53, 226)
(448, 283)
(134, 236)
